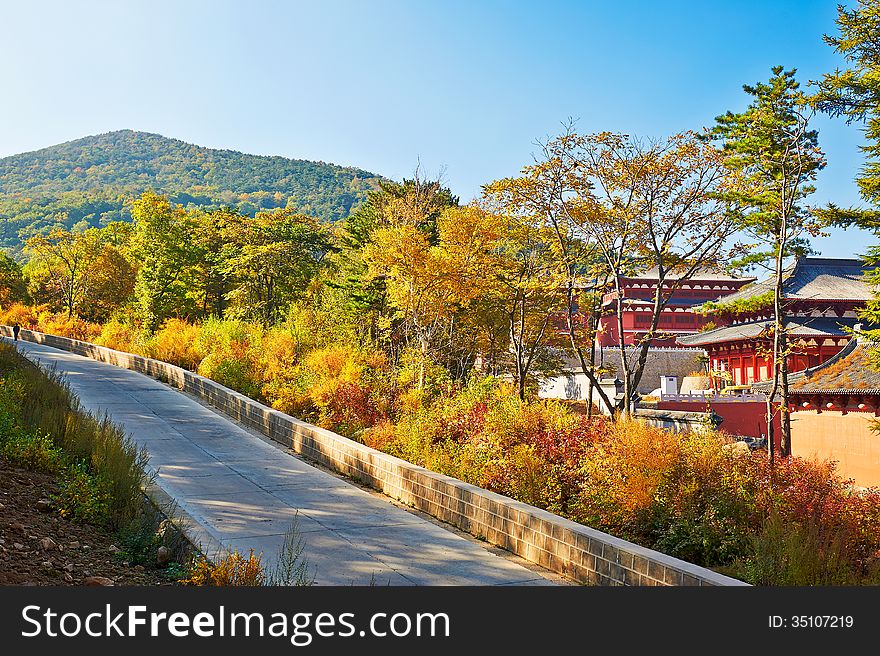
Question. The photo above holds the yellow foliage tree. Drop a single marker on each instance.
(430, 284)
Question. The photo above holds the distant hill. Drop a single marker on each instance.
(94, 179)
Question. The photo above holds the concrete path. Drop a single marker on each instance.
(245, 491)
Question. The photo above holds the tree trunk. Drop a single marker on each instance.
(785, 425)
(590, 385)
(624, 364)
(659, 305)
(589, 372)
(423, 356)
(778, 352)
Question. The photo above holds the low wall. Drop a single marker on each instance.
(677, 420)
(574, 386)
(568, 548)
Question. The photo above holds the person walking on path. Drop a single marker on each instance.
(15, 330)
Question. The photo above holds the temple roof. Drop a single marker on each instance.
(682, 301)
(706, 274)
(852, 371)
(814, 278)
(797, 327)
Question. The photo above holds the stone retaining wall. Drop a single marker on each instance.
(576, 551)
(677, 420)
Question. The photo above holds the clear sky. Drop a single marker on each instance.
(460, 88)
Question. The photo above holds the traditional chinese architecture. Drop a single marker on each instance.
(821, 297)
(677, 318)
(834, 411)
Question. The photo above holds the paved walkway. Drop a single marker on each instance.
(245, 492)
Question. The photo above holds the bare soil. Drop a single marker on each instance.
(80, 550)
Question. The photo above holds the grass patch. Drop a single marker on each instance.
(98, 469)
(44, 428)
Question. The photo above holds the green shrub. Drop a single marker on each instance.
(139, 539)
(31, 450)
(785, 553)
(83, 495)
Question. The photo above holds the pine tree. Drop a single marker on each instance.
(774, 158)
(854, 94)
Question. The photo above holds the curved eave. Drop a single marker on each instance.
(712, 337)
(833, 392)
(716, 331)
(714, 341)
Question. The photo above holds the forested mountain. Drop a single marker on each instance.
(95, 179)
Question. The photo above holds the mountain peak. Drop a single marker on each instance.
(95, 178)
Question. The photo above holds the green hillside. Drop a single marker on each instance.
(94, 179)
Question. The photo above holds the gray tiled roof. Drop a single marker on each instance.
(675, 300)
(705, 274)
(852, 371)
(815, 278)
(797, 326)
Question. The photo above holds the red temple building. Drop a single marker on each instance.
(821, 296)
(677, 319)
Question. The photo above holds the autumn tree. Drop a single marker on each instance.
(61, 266)
(269, 259)
(527, 285)
(538, 193)
(617, 206)
(164, 246)
(112, 277)
(775, 157)
(365, 293)
(13, 287)
(430, 284)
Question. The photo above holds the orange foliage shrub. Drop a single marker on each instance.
(278, 357)
(334, 362)
(64, 326)
(119, 336)
(233, 570)
(175, 343)
(627, 467)
(39, 318)
(24, 315)
(280, 372)
(346, 388)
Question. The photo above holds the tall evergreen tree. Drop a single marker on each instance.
(854, 94)
(775, 158)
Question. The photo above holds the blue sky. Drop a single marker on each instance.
(459, 88)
